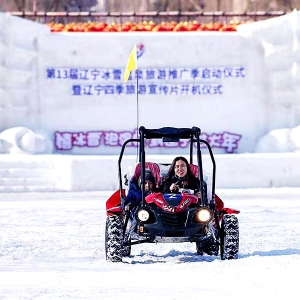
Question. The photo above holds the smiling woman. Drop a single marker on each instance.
(180, 176)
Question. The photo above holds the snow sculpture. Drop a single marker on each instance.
(21, 140)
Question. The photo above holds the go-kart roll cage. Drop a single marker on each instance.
(171, 134)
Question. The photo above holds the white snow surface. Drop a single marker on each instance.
(52, 247)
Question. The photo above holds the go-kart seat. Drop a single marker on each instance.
(194, 170)
(219, 203)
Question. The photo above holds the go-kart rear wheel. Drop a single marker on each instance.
(127, 249)
(229, 237)
(212, 250)
(114, 238)
(199, 248)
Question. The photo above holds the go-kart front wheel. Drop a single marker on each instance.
(229, 237)
(114, 238)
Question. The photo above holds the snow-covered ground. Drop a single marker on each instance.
(52, 247)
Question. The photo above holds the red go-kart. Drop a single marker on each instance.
(171, 218)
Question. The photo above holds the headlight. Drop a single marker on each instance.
(143, 215)
(203, 215)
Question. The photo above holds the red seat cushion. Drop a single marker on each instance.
(153, 167)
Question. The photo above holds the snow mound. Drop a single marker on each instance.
(279, 141)
(21, 140)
